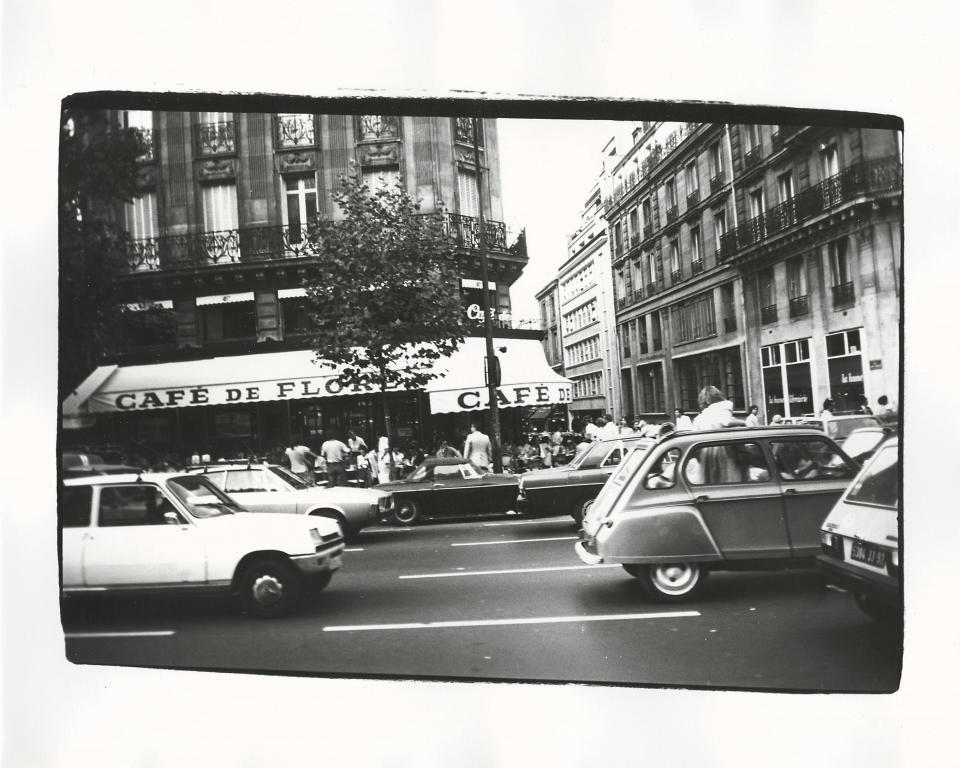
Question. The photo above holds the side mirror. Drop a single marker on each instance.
(171, 518)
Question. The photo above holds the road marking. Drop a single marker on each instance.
(514, 541)
(511, 570)
(553, 520)
(353, 549)
(160, 633)
(514, 622)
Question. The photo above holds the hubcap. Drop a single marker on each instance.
(676, 578)
(405, 513)
(267, 589)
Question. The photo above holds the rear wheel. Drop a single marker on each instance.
(406, 511)
(670, 582)
(270, 588)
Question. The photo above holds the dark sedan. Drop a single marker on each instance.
(568, 489)
(450, 488)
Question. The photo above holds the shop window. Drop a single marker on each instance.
(650, 381)
(845, 370)
(787, 381)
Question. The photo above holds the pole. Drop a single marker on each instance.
(492, 382)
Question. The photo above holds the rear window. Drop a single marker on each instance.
(880, 483)
(74, 506)
(838, 429)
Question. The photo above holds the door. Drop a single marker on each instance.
(134, 544)
(813, 475)
(739, 500)
(451, 494)
(73, 508)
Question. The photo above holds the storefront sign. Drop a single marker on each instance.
(876, 365)
(507, 397)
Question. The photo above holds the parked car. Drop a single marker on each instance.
(860, 538)
(75, 464)
(178, 532)
(567, 489)
(862, 443)
(839, 427)
(450, 488)
(273, 488)
(715, 500)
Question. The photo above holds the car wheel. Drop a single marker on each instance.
(580, 510)
(406, 512)
(270, 588)
(673, 582)
(321, 581)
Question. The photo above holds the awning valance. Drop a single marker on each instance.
(271, 376)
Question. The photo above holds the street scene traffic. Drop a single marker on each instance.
(314, 418)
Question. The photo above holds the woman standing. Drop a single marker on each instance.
(718, 463)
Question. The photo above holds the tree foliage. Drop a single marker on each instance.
(97, 172)
(383, 291)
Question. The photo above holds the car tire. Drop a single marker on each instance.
(579, 510)
(406, 511)
(270, 589)
(672, 582)
(321, 581)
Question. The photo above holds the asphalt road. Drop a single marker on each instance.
(508, 599)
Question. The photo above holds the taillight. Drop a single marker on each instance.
(893, 563)
(831, 544)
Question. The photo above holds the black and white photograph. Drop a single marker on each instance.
(421, 413)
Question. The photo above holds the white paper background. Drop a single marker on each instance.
(881, 57)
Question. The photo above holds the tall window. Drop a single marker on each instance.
(670, 188)
(467, 187)
(751, 136)
(715, 160)
(140, 216)
(618, 238)
(690, 178)
(301, 204)
(379, 178)
(839, 263)
(696, 253)
(829, 162)
(796, 278)
(719, 228)
(634, 224)
(767, 295)
(647, 217)
(674, 257)
(756, 202)
(219, 207)
(784, 187)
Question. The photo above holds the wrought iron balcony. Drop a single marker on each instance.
(730, 324)
(676, 276)
(295, 130)
(716, 182)
(672, 213)
(215, 138)
(466, 232)
(693, 197)
(464, 131)
(375, 127)
(843, 295)
(696, 266)
(866, 177)
(147, 138)
(634, 239)
(647, 231)
(651, 288)
(768, 314)
(621, 302)
(799, 306)
(751, 157)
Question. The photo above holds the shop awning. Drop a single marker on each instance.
(272, 376)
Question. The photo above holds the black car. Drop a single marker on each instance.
(450, 488)
(568, 489)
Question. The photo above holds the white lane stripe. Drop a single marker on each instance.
(552, 520)
(161, 633)
(514, 541)
(514, 622)
(511, 570)
(353, 549)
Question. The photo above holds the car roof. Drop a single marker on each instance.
(129, 477)
(436, 462)
(229, 465)
(779, 430)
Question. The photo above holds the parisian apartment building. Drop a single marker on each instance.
(762, 259)
(217, 242)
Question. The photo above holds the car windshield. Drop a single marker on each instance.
(838, 429)
(593, 453)
(862, 441)
(288, 477)
(202, 497)
(420, 473)
(880, 482)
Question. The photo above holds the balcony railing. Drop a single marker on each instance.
(621, 302)
(647, 231)
(696, 266)
(843, 295)
(676, 276)
(693, 197)
(799, 306)
(730, 324)
(295, 130)
(768, 314)
(651, 289)
(634, 239)
(869, 176)
(215, 138)
(655, 153)
(715, 183)
(672, 213)
(752, 157)
(147, 138)
(260, 244)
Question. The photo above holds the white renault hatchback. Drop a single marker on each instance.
(172, 532)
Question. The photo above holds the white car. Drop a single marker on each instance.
(860, 538)
(168, 532)
(272, 488)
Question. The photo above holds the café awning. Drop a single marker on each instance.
(294, 375)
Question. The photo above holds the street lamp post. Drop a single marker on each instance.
(492, 366)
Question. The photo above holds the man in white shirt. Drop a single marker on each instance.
(477, 448)
(681, 421)
(590, 431)
(301, 461)
(335, 453)
(609, 428)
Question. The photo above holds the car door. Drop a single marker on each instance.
(450, 494)
(738, 498)
(257, 490)
(74, 506)
(133, 543)
(813, 474)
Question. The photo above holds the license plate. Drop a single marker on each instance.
(865, 553)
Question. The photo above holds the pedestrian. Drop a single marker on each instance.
(335, 453)
(624, 429)
(447, 451)
(591, 430)
(883, 406)
(302, 461)
(826, 413)
(716, 464)
(777, 419)
(609, 428)
(716, 412)
(477, 448)
(681, 421)
(545, 449)
(752, 420)
(639, 426)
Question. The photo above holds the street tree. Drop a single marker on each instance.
(98, 171)
(382, 290)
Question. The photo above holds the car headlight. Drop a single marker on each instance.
(385, 502)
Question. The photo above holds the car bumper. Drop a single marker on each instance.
(326, 561)
(587, 553)
(884, 589)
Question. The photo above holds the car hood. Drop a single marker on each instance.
(267, 527)
(342, 494)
